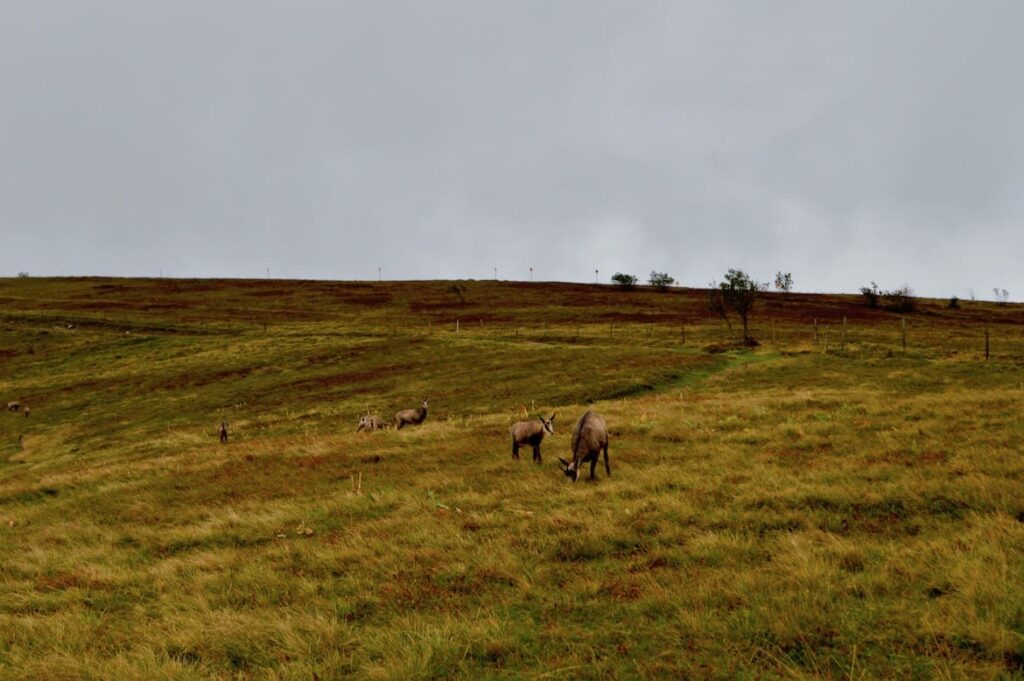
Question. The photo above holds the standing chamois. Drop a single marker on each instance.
(370, 423)
(531, 433)
(588, 440)
(223, 430)
(412, 417)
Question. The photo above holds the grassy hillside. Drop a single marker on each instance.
(798, 509)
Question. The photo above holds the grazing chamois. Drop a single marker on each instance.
(412, 417)
(531, 433)
(370, 423)
(588, 440)
(14, 406)
(27, 411)
(223, 430)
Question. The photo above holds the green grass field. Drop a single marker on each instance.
(836, 508)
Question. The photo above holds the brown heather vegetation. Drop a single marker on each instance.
(778, 512)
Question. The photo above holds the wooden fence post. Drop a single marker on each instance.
(456, 326)
(986, 342)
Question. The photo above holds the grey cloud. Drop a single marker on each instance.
(841, 141)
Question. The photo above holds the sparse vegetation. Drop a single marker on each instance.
(626, 281)
(783, 282)
(899, 299)
(1002, 295)
(871, 295)
(661, 280)
(23, 275)
(458, 291)
(773, 512)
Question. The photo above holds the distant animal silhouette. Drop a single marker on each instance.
(531, 433)
(27, 411)
(412, 417)
(14, 406)
(370, 423)
(589, 439)
(223, 430)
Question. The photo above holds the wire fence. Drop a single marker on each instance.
(910, 335)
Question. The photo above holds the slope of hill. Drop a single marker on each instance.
(826, 504)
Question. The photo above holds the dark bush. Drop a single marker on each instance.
(900, 299)
(459, 291)
(624, 280)
(897, 300)
(660, 280)
(870, 294)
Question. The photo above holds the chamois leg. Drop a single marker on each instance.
(593, 466)
(398, 424)
(607, 467)
(515, 450)
(536, 454)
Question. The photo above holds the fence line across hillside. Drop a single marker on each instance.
(913, 335)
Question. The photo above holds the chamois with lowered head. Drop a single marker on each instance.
(531, 433)
(411, 417)
(370, 423)
(589, 439)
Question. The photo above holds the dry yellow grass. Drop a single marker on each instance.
(782, 512)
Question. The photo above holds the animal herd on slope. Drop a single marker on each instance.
(589, 438)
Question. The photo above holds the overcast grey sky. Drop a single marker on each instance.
(841, 141)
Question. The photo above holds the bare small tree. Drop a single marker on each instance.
(1002, 295)
(716, 303)
(737, 292)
